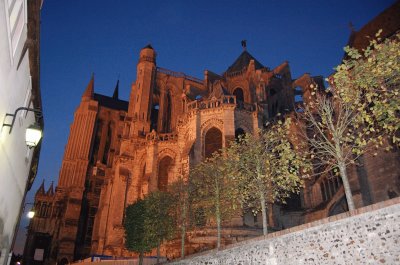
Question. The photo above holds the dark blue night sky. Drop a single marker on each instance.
(79, 37)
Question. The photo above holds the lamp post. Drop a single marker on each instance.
(33, 133)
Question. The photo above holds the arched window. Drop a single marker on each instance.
(96, 144)
(238, 92)
(154, 117)
(43, 209)
(107, 145)
(141, 189)
(164, 170)
(212, 141)
(63, 261)
(167, 112)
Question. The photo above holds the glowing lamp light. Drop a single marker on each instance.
(33, 135)
(31, 214)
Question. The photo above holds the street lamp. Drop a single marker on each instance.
(31, 212)
(33, 133)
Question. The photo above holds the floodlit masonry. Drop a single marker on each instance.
(119, 151)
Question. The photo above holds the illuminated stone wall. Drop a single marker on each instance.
(369, 235)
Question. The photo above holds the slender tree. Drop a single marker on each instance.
(266, 168)
(329, 126)
(180, 190)
(361, 106)
(213, 191)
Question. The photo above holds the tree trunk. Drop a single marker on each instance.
(264, 213)
(218, 227)
(183, 234)
(346, 185)
(218, 213)
(158, 253)
(141, 258)
(183, 228)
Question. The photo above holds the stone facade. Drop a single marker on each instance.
(368, 235)
(118, 151)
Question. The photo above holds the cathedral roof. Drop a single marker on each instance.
(388, 21)
(110, 102)
(243, 61)
(148, 46)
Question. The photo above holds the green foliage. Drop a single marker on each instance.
(370, 82)
(136, 237)
(213, 191)
(266, 165)
(180, 191)
(212, 187)
(361, 107)
(148, 222)
(159, 222)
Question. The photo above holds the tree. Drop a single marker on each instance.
(159, 222)
(361, 106)
(370, 82)
(329, 129)
(213, 191)
(266, 167)
(180, 191)
(148, 223)
(137, 239)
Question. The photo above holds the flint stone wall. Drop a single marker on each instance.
(369, 235)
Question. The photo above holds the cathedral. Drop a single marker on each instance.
(118, 151)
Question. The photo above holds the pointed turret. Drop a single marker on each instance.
(88, 94)
(50, 191)
(115, 95)
(41, 191)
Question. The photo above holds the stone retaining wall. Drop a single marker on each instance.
(369, 235)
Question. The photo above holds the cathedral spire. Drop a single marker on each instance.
(41, 191)
(88, 94)
(115, 95)
(50, 191)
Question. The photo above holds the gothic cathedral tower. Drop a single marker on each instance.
(140, 101)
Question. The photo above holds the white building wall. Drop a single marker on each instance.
(15, 91)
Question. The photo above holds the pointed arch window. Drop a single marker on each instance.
(238, 92)
(107, 145)
(212, 141)
(164, 170)
(167, 112)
